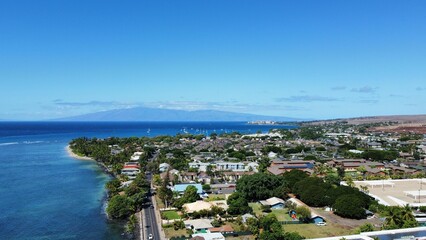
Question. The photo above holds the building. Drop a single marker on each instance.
(273, 202)
(207, 236)
(180, 188)
(201, 166)
(278, 166)
(198, 225)
(351, 165)
(164, 167)
(229, 166)
(202, 205)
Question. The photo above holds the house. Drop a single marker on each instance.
(204, 178)
(316, 218)
(247, 216)
(130, 171)
(222, 229)
(274, 203)
(272, 155)
(201, 166)
(136, 156)
(229, 166)
(188, 176)
(278, 166)
(351, 165)
(223, 188)
(132, 164)
(180, 188)
(202, 205)
(164, 167)
(253, 166)
(197, 206)
(207, 236)
(198, 224)
(234, 176)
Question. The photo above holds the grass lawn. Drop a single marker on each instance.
(171, 232)
(170, 215)
(281, 214)
(215, 197)
(314, 231)
(248, 237)
(160, 204)
(256, 208)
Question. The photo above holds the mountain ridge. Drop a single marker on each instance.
(161, 114)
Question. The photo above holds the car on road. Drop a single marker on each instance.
(150, 236)
(321, 224)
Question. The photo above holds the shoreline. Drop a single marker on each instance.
(106, 171)
(73, 155)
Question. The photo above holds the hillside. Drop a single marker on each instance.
(156, 114)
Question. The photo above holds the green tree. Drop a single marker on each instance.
(119, 207)
(366, 227)
(253, 225)
(332, 179)
(131, 224)
(271, 228)
(294, 176)
(350, 206)
(237, 204)
(206, 187)
(113, 187)
(178, 225)
(303, 214)
(341, 172)
(190, 195)
(261, 186)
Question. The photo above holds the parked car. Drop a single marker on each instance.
(321, 224)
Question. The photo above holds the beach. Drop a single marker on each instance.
(73, 155)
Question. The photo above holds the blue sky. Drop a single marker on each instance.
(306, 59)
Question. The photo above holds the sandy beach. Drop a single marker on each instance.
(73, 155)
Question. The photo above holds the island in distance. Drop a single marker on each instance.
(162, 115)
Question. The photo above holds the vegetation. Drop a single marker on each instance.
(190, 195)
(237, 204)
(355, 210)
(399, 217)
(268, 228)
(119, 207)
(261, 186)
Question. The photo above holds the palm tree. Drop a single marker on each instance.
(406, 213)
(393, 218)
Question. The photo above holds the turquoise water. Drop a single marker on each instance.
(45, 194)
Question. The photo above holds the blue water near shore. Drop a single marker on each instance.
(45, 194)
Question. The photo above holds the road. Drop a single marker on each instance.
(150, 223)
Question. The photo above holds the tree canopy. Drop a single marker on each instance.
(261, 186)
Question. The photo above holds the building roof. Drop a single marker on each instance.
(272, 201)
(198, 223)
(197, 206)
(208, 236)
(224, 228)
(182, 187)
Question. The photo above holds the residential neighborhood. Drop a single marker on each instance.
(225, 185)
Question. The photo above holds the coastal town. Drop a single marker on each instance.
(315, 180)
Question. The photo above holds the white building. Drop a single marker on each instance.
(230, 166)
(201, 166)
(164, 167)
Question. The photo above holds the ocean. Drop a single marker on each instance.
(46, 194)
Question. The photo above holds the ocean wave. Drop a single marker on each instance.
(9, 143)
(32, 142)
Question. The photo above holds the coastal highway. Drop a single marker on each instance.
(151, 223)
